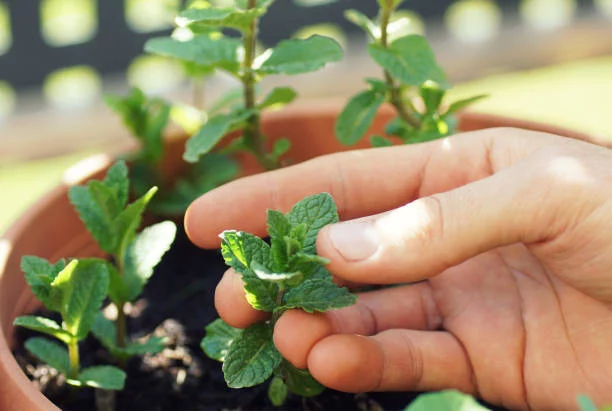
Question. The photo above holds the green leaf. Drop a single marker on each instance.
(225, 17)
(105, 331)
(432, 96)
(212, 132)
(314, 212)
(44, 325)
(297, 56)
(95, 218)
(243, 4)
(104, 377)
(318, 295)
(227, 99)
(117, 181)
(264, 274)
(219, 337)
(445, 400)
(143, 255)
(278, 228)
(281, 146)
(277, 391)
(201, 49)
(50, 353)
(117, 290)
(300, 382)
(128, 221)
(410, 60)
(252, 358)
(82, 285)
(380, 141)
(39, 274)
(459, 104)
(278, 97)
(357, 116)
(361, 20)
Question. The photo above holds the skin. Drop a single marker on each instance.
(499, 241)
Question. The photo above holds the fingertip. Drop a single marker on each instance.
(296, 332)
(347, 362)
(231, 302)
(199, 232)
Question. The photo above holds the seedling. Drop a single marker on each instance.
(76, 290)
(210, 48)
(103, 208)
(411, 77)
(284, 275)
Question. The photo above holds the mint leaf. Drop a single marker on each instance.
(278, 228)
(380, 141)
(586, 404)
(39, 274)
(300, 382)
(104, 377)
(143, 255)
(445, 400)
(252, 358)
(128, 221)
(263, 273)
(212, 132)
(459, 104)
(44, 325)
(219, 337)
(82, 285)
(225, 17)
(117, 181)
(314, 212)
(410, 60)
(50, 353)
(361, 20)
(277, 391)
(318, 295)
(299, 56)
(97, 221)
(278, 97)
(106, 332)
(357, 116)
(201, 49)
(281, 146)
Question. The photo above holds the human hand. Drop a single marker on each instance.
(506, 236)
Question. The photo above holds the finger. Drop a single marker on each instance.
(394, 360)
(410, 307)
(362, 182)
(231, 302)
(425, 237)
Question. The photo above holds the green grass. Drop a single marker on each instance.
(573, 95)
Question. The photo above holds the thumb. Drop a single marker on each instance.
(431, 234)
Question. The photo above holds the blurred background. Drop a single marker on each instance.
(542, 60)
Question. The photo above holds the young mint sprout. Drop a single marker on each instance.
(113, 223)
(75, 290)
(410, 72)
(238, 57)
(284, 275)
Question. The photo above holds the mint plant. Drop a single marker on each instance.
(411, 75)
(282, 275)
(113, 223)
(211, 49)
(76, 290)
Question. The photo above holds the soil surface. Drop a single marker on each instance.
(178, 303)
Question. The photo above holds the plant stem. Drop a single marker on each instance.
(73, 354)
(395, 96)
(252, 131)
(121, 326)
(278, 302)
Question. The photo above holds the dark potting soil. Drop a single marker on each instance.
(178, 303)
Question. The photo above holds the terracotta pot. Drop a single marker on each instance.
(51, 228)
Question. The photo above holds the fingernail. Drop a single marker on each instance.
(354, 241)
